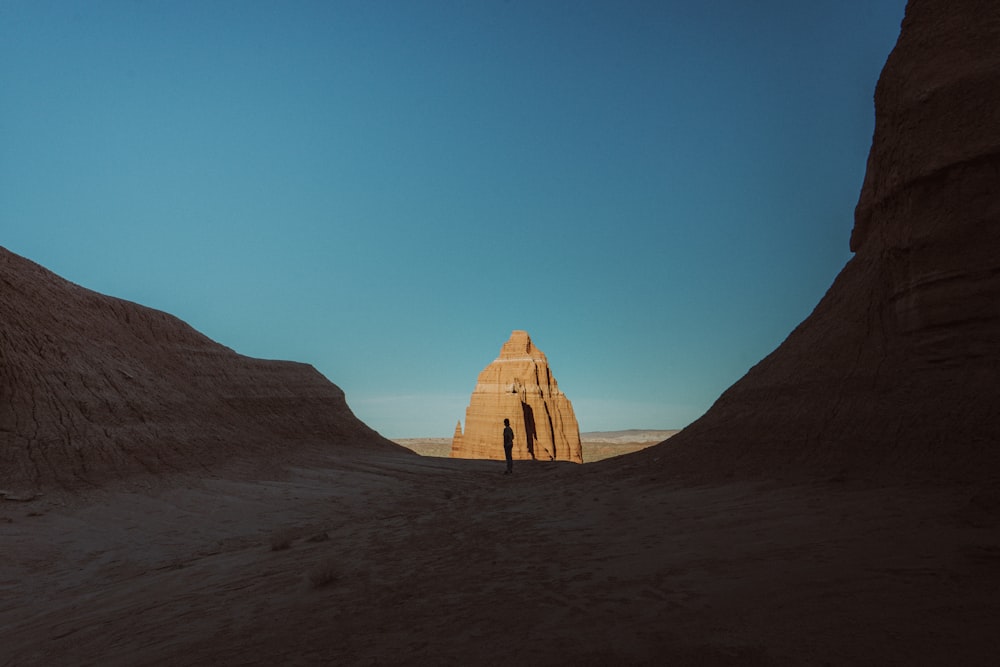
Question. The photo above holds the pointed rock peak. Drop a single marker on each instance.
(519, 345)
(519, 387)
(458, 429)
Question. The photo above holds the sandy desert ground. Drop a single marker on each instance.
(400, 559)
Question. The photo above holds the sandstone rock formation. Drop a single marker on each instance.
(93, 387)
(897, 370)
(519, 386)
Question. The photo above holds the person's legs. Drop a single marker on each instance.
(510, 458)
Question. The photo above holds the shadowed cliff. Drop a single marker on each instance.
(93, 387)
(895, 373)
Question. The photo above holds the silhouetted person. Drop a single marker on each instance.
(508, 445)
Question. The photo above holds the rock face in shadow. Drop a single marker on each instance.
(93, 387)
(897, 370)
(518, 385)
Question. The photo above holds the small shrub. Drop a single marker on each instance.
(323, 573)
(282, 539)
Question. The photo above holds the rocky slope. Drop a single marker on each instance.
(519, 385)
(93, 387)
(897, 370)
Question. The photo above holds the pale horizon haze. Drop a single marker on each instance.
(658, 192)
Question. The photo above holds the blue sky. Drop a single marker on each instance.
(658, 192)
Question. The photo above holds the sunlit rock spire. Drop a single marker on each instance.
(519, 386)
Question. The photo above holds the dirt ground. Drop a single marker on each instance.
(400, 559)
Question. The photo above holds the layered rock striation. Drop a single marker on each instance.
(897, 370)
(519, 386)
(93, 387)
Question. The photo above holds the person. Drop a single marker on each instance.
(508, 445)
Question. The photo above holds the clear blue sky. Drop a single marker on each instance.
(658, 192)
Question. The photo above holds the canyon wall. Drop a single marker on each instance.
(93, 388)
(897, 370)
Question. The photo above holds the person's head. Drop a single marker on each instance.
(506, 422)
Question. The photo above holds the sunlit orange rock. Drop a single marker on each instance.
(519, 386)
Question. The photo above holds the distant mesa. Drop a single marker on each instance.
(94, 388)
(518, 385)
(896, 373)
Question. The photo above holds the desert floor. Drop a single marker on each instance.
(401, 559)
